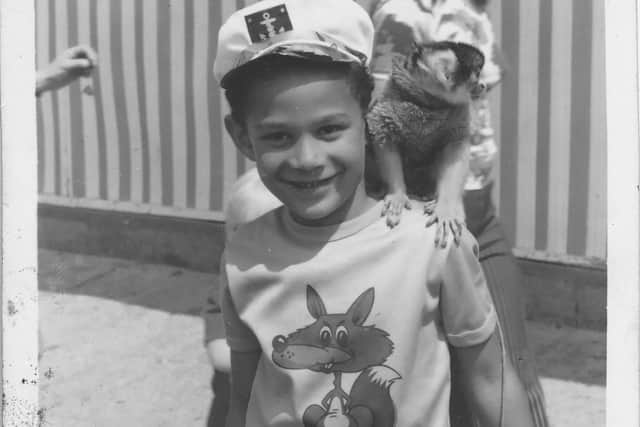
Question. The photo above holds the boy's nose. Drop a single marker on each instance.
(307, 155)
(279, 343)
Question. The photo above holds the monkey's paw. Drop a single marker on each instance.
(394, 203)
(450, 220)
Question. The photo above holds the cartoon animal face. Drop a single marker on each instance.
(334, 342)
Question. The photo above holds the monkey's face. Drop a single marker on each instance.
(448, 70)
(441, 65)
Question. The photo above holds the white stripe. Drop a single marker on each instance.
(597, 206)
(228, 148)
(527, 123)
(150, 41)
(495, 101)
(48, 170)
(89, 121)
(560, 122)
(108, 103)
(126, 206)
(178, 108)
(64, 104)
(201, 106)
(131, 96)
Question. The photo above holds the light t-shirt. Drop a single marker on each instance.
(352, 320)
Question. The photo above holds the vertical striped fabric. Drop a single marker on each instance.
(145, 134)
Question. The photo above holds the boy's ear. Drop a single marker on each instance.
(238, 134)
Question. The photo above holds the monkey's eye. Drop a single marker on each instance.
(325, 335)
(447, 76)
(342, 336)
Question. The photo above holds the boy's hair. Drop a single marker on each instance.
(358, 76)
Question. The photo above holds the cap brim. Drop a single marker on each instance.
(310, 50)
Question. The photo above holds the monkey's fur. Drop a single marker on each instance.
(423, 108)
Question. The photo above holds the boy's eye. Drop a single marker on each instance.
(329, 131)
(277, 139)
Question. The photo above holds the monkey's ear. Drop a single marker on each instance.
(314, 303)
(469, 56)
(361, 307)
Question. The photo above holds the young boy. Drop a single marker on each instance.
(332, 318)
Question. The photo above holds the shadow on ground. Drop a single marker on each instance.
(159, 287)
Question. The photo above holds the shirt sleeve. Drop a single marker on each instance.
(467, 310)
(239, 336)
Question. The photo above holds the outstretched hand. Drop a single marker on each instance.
(450, 220)
(394, 203)
(75, 62)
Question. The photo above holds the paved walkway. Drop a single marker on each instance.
(123, 348)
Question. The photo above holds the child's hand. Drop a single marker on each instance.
(450, 218)
(394, 203)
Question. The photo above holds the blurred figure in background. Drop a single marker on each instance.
(398, 24)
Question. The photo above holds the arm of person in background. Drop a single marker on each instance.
(75, 62)
(482, 375)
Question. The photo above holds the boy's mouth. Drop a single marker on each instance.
(309, 184)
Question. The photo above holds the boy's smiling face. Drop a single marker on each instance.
(306, 132)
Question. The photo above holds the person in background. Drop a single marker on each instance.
(70, 65)
(73, 63)
(398, 24)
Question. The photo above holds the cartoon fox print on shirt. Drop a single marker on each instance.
(337, 343)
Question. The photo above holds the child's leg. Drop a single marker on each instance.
(221, 387)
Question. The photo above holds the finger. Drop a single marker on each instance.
(455, 232)
(431, 219)
(407, 204)
(82, 51)
(78, 64)
(443, 241)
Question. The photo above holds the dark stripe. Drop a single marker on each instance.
(97, 90)
(580, 129)
(122, 121)
(77, 122)
(215, 124)
(509, 118)
(188, 98)
(164, 92)
(40, 145)
(544, 130)
(54, 101)
(142, 97)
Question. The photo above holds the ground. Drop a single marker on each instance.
(123, 347)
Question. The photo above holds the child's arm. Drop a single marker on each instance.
(482, 371)
(390, 165)
(448, 210)
(243, 372)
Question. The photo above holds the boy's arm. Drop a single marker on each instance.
(482, 372)
(390, 165)
(245, 354)
(243, 371)
(448, 210)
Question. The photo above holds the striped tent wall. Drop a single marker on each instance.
(146, 135)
